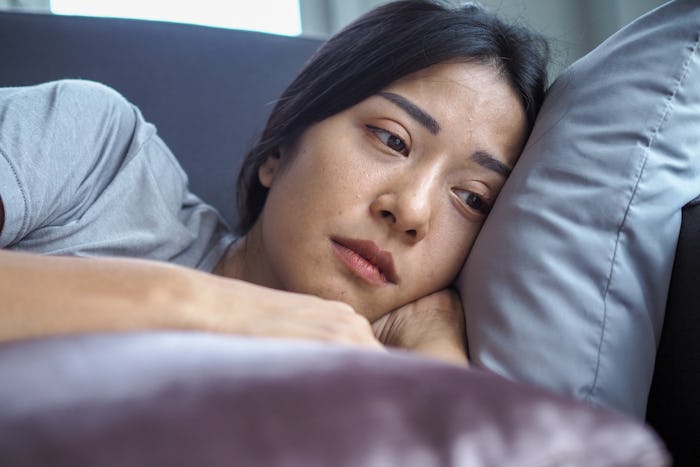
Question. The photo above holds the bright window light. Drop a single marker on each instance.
(273, 16)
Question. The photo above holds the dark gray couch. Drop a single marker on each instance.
(209, 90)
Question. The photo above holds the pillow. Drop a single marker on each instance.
(566, 284)
(190, 399)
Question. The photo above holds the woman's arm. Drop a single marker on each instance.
(46, 295)
(432, 325)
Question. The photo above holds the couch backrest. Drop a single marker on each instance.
(673, 408)
(208, 90)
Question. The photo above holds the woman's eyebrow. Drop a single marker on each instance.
(482, 158)
(487, 161)
(415, 112)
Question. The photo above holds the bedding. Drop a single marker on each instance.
(566, 285)
(186, 399)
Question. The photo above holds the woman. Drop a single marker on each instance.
(359, 203)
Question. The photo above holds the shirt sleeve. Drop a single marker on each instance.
(60, 144)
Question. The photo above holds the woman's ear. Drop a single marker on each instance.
(268, 169)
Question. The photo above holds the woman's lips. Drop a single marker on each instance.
(366, 260)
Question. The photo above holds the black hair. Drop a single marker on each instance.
(380, 47)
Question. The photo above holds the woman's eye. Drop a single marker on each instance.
(392, 141)
(476, 202)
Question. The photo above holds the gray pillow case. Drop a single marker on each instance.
(566, 285)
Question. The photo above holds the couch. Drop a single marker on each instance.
(208, 90)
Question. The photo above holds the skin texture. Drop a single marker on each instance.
(126, 294)
(380, 171)
(419, 197)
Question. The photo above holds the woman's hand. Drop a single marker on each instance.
(243, 308)
(48, 295)
(432, 325)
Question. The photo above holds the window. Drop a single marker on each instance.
(273, 16)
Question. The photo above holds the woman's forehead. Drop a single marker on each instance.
(462, 72)
(459, 92)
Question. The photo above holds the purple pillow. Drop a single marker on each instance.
(189, 399)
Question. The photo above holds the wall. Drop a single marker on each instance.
(26, 5)
(573, 27)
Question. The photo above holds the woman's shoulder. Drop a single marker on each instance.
(63, 118)
(75, 96)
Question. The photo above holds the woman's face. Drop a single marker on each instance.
(380, 204)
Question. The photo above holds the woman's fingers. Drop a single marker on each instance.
(432, 325)
(266, 312)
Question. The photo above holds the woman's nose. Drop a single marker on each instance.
(407, 208)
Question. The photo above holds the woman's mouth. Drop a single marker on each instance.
(366, 260)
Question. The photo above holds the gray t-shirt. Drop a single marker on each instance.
(82, 173)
